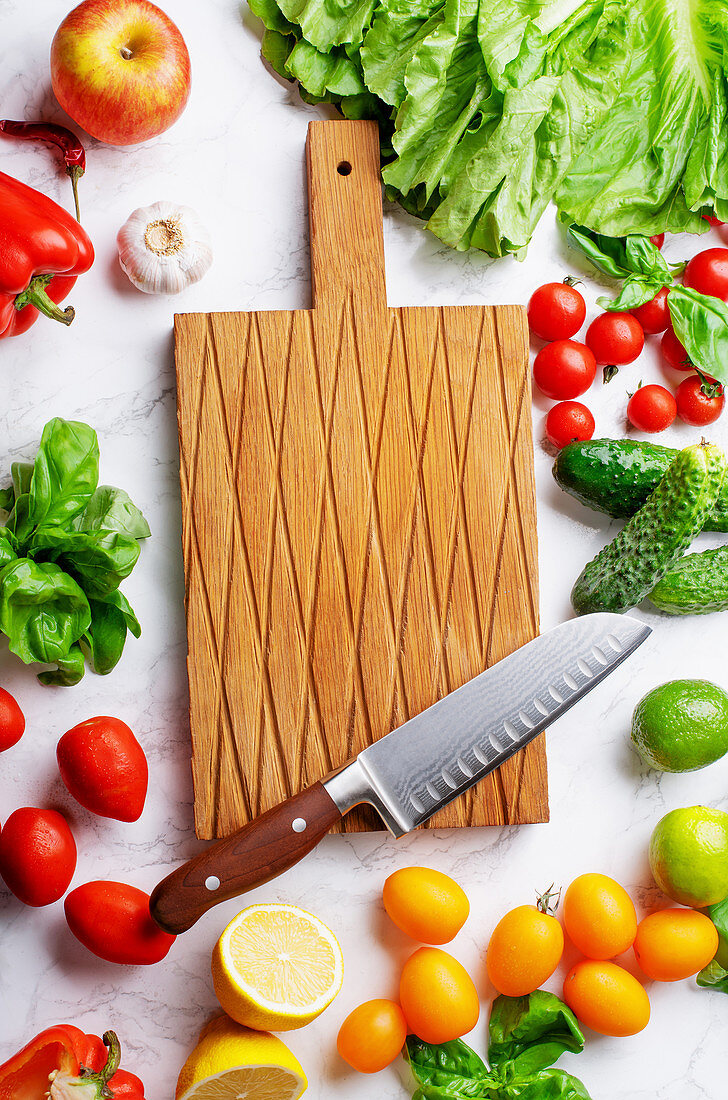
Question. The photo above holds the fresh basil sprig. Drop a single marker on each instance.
(701, 325)
(715, 975)
(526, 1036)
(66, 546)
(635, 260)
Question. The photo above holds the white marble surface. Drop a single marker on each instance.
(237, 156)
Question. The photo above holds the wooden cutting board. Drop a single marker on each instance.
(359, 522)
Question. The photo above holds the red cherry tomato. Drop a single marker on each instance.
(564, 369)
(104, 767)
(654, 316)
(673, 352)
(556, 311)
(715, 222)
(12, 721)
(113, 921)
(658, 240)
(615, 338)
(568, 421)
(37, 855)
(695, 406)
(652, 409)
(708, 272)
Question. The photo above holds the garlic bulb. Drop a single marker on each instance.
(163, 248)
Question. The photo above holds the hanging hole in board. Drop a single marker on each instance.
(344, 169)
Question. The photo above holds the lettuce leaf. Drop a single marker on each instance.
(617, 110)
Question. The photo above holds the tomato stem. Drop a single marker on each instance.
(548, 901)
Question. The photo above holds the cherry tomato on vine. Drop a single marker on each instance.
(37, 855)
(615, 338)
(372, 1035)
(654, 316)
(524, 949)
(564, 369)
(673, 352)
(606, 998)
(12, 721)
(651, 409)
(699, 402)
(708, 272)
(556, 311)
(569, 421)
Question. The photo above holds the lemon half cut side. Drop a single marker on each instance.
(276, 967)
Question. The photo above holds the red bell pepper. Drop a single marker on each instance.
(42, 250)
(63, 1063)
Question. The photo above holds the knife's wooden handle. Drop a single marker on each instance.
(246, 859)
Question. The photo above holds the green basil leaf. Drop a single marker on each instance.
(42, 610)
(531, 1032)
(637, 290)
(701, 325)
(99, 560)
(118, 600)
(104, 640)
(547, 1084)
(69, 672)
(7, 498)
(448, 1069)
(113, 510)
(65, 472)
(713, 976)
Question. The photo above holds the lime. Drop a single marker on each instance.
(682, 725)
(689, 855)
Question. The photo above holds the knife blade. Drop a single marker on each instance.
(412, 772)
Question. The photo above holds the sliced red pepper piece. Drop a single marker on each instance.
(25, 1076)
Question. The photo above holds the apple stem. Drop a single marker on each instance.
(126, 53)
(36, 295)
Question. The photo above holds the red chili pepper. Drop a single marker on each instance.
(62, 1063)
(42, 250)
(74, 154)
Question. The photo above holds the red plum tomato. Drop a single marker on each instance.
(37, 855)
(708, 272)
(556, 311)
(569, 421)
(673, 352)
(564, 370)
(699, 403)
(615, 338)
(12, 721)
(654, 316)
(651, 409)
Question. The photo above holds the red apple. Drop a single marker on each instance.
(120, 69)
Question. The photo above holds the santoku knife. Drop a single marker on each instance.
(417, 768)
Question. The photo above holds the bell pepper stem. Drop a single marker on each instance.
(112, 1062)
(36, 295)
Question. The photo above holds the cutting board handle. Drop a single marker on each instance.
(345, 214)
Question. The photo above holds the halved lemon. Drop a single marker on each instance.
(276, 967)
(231, 1061)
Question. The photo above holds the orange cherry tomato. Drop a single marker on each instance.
(425, 904)
(438, 997)
(524, 950)
(372, 1035)
(606, 998)
(599, 916)
(675, 943)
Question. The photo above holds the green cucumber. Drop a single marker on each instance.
(696, 585)
(654, 539)
(617, 476)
